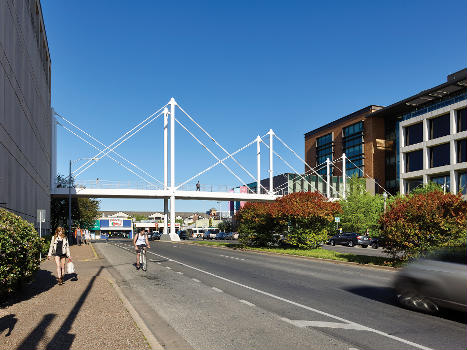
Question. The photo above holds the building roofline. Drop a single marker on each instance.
(349, 116)
(404, 106)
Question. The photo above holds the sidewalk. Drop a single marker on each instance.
(83, 314)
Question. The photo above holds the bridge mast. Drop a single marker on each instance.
(173, 235)
(166, 170)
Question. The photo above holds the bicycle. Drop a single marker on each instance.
(142, 257)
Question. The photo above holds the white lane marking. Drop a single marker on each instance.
(194, 279)
(353, 349)
(321, 324)
(180, 273)
(384, 334)
(217, 290)
(246, 302)
(168, 268)
(158, 263)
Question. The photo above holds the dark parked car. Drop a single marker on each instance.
(350, 239)
(221, 235)
(437, 280)
(154, 236)
(376, 242)
(183, 234)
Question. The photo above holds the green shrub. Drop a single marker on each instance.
(256, 224)
(19, 251)
(422, 222)
(308, 216)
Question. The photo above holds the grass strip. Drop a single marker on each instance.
(312, 253)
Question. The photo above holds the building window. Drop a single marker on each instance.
(414, 161)
(352, 146)
(413, 134)
(324, 148)
(462, 120)
(439, 126)
(443, 180)
(462, 151)
(462, 182)
(410, 185)
(439, 155)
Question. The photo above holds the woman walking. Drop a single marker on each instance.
(60, 250)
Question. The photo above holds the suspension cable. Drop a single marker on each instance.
(215, 164)
(217, 143)
(117, 140)
(207, 149)
(102, 144)
(108, 150)
(116, 161)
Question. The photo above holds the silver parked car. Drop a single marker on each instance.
(437, 280)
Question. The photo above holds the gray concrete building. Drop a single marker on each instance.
(25, 112)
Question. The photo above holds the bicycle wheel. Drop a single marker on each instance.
(143, 255)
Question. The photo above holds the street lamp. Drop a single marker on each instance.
(69, 195)
(385, 197)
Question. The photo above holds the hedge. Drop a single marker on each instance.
(19, 252)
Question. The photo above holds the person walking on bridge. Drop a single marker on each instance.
(198, 186)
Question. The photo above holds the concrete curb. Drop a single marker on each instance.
(151, 339)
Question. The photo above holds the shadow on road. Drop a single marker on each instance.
(387, 295)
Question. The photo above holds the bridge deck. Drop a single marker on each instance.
(154, 194)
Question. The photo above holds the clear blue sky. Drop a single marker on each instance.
(240, 68)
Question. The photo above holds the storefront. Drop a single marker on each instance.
(116, 228)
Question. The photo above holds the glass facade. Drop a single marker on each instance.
(462, 151)
(462, 182)
(413, 134)
(324, 149)
(410, 185)
(462, 120)
(439, 126)
(392, 158)
(439, 155)
(414, 161)
(352, 146)
(442, 180)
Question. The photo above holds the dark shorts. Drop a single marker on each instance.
(61, 255)
(140, 246)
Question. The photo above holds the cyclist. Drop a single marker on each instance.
(140, 242)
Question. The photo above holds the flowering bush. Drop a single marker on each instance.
(302, 220)
(19, 251)
(310, 218)
(423, 221)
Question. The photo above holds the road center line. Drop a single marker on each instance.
(384, 334)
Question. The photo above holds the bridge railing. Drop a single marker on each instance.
(106, 184)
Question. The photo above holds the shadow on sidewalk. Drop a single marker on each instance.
(33, 339)
(62, 338)
(43, 281)
(8, 322)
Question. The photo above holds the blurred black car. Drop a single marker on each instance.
(435, 281)
(350, 239)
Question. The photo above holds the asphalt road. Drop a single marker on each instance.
(224, 299)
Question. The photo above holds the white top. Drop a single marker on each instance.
(141, 239)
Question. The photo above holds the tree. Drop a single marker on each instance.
(361, 210)
(423, 221)
(84, 211)
(225, 226)
(140, 217)
(307, 216)
(256, 224)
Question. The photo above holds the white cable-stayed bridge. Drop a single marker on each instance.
(150, 187)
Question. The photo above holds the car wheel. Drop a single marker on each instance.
(332, 242)
(351, 243)
(410, 298)
(364, 246)
(374, 246)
